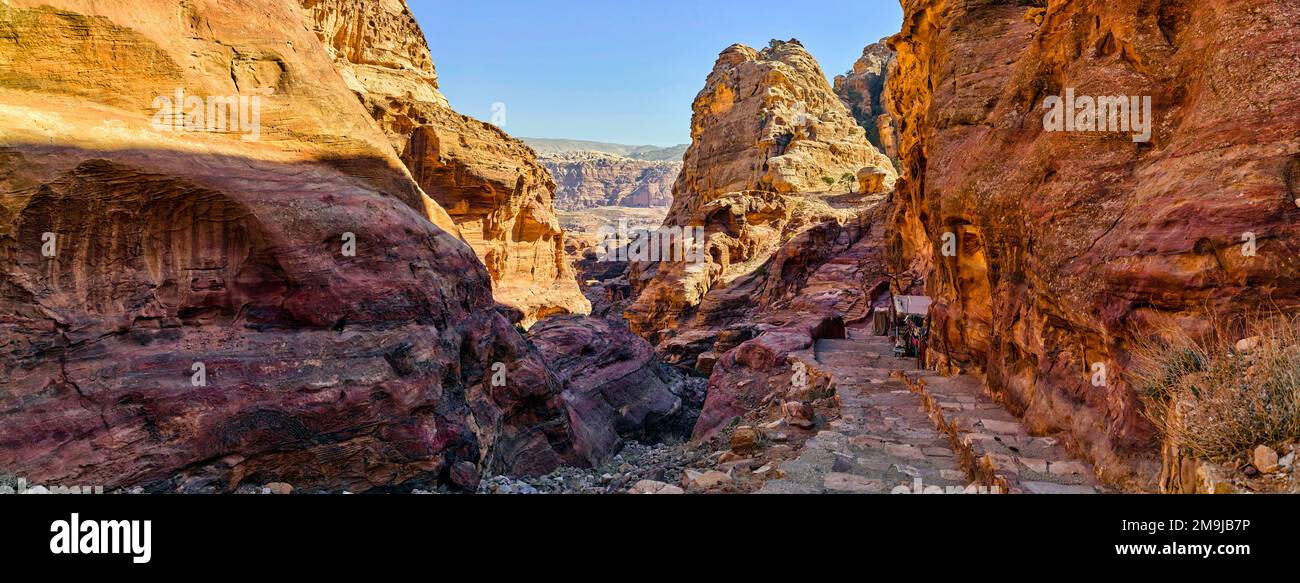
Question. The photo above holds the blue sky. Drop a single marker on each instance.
(622, 71)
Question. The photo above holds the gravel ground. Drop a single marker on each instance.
(636, 462)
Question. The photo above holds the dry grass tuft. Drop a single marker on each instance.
(1218, 396)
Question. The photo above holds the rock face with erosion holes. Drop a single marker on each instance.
(500, 197)
(193, 310)
(1072, 245)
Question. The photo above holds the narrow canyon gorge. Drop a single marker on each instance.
(341, 284)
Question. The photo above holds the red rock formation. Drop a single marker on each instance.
(1072, 244)
(749, 375)
(497, 193)
(821, 280)
(767, 121)
(180, 253)
(614, 385)
(784, 259)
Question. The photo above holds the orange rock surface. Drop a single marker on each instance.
(1071, 245)
(497, 193)
(767, 131)
(181, 309)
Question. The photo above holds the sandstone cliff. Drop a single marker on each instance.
(498, 194)
(180, 308)
(592, 179)
(767, 121)
(863, 92)
(767, 133)
(1072, 245)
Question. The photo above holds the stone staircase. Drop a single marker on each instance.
(993, 444)
(918, 432)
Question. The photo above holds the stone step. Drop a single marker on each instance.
(993, 444)
(883, 439)
(904, 427)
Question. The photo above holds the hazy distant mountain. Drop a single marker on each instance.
(551, 147)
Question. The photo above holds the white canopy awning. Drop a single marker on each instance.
(912, 305)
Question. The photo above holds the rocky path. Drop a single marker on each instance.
(921, 431)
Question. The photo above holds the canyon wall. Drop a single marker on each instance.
(773, 152)
(1068, 246)
(192, 307)
(792, 245)
(591, 179)
(863, 92)
(500, 197)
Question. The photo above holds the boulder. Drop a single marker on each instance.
(872, 180)
(799, 414)
(697, 480)
(744, 439)
(615, 387)
(1265, 459)
(654, 487)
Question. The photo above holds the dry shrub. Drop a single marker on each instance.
(1217, 402)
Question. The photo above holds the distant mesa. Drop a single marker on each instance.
(598, 174)
(551, 146)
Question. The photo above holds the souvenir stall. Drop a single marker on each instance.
(909, 328)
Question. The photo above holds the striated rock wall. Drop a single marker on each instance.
(177, 308)
(591, 179)
(1070, 245)
(497, 193)
(379, 48)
